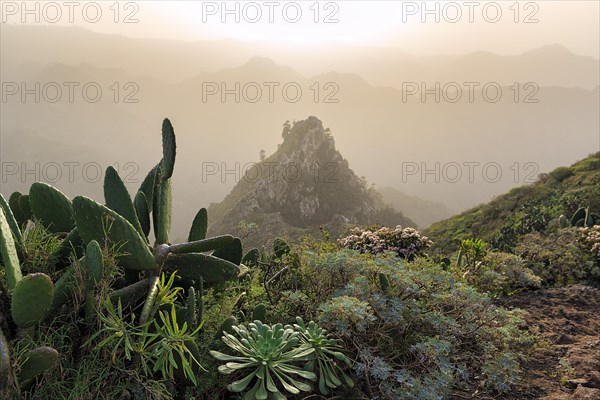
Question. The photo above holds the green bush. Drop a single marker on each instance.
(559, 258)
(415, 330)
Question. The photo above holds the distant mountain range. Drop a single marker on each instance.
(382, 131)
(174, 61)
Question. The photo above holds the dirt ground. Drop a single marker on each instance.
(567, 367)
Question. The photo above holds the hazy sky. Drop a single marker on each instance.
(504, 27)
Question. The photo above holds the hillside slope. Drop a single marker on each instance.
(525, 209)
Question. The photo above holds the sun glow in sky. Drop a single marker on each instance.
(423, 28)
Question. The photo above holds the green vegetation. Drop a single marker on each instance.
(568, 191)
(97, 303)
(546, 228)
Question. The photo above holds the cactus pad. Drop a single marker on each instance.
(13, 202)
(199, 226)
(143, 212)
(37, 361)
(96, 222)
(194, 266)
(203, 245)
(117, 198)
(233, 252)
(162, 212)
(252, 257)
(31, 299)
(169, 149)
(51, 207)
(10, 218)
(9, 253)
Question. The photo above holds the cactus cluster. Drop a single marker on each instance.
(122, 224)
(581, 218)
(30, 299)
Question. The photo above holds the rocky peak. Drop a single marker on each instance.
(306, 182)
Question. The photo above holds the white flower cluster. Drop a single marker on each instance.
(592, 238)
(406, 242)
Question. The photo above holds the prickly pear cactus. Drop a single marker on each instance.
(259, 313)
(117, 198)
(13, 202)
(12, 222)
(36, 362)
(96, 222)
(232, 252)
(281, 247)
(9, 253)
(95, 265)
(51, 207)
(31, 299)
(143, 212)
(199, 226)
(196, 266)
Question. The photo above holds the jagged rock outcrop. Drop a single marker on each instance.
(304, 184)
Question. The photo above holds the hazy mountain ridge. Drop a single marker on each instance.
(380, 66)
(385, 133)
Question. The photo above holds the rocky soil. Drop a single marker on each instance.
(567, 364)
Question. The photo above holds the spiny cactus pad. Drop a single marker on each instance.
(10, 218)
(25, 207)
(51, 207)
(72, 245)
(31, 299)
(252, 257)
(117, 198)
(96, 222)
(259, 313)
(169, 149)
(148, 184)
(233, 252)
(94, 263)
(37, 361)
(162, 212)
(9, 253)
(194, 266)
(203, 245)
(129, 295)
(190, 309)
(143, 212)
(66, 287)
(13, 202)
(199, 226)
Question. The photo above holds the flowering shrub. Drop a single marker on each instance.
(407, 243)
(591, 240)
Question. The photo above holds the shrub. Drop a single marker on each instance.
(493, 272)
(559, 258)
(415, 330)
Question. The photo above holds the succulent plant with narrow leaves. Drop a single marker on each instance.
(275, 356)
(327, 356)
